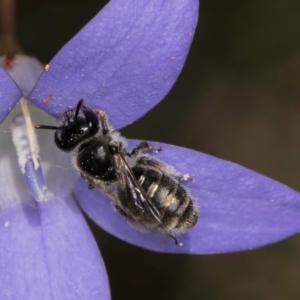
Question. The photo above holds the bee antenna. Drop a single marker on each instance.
(175, 240)
(78, 108)
(46, 127)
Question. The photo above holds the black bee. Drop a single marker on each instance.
(144, 190)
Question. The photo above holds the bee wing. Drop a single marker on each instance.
(129, 185)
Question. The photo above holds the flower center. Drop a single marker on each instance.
(25, 142)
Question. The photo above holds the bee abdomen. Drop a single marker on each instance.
(172, 200)
(189, 218)
(181, 214)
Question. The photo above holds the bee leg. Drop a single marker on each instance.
(103, 119)
(120, 211)
(182, 177)
(144, 160)
(90, 186)
(185, 177)
(176, 241)
(143, 146)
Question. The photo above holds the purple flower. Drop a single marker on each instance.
(46, 249)
(124, 62)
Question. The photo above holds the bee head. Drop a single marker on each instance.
(76, 125)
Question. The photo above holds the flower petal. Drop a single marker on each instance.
(239, 209)
(124, 61)
(46, 248)
(48, 252)
(25, 70)
(9, 94)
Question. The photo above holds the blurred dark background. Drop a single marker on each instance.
(237, 98)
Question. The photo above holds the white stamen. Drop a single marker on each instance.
(18, 127)
(34, 148)
(25, 143)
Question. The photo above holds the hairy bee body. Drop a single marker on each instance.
(145, 191)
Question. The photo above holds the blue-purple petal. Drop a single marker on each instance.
(25, 71)
(239, 209)
(48, 252)
(123, 61)
(9, 94)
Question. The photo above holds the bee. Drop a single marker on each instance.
(144, 190)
